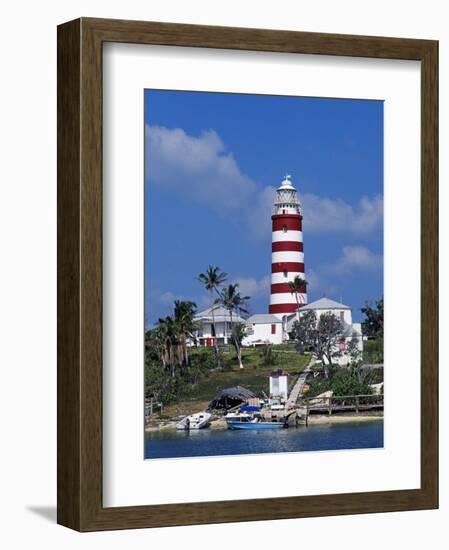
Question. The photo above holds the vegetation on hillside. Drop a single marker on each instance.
(373, 351)
(322, 336)
(373, 324)
(342, 381)
(373, 328)
(202, 379)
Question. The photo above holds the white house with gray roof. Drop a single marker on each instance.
(343, 313)
(215, 324)
(323, 305)
(263, 328)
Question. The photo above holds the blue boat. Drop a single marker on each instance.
(249, 418)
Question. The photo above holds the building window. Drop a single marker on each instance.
(284, 228)
(285, 274)
(342, 315)
(273, 329)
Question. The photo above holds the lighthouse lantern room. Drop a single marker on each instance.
(287, 252)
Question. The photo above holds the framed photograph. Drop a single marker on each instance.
(247, 274)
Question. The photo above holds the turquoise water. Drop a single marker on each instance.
(351, 435)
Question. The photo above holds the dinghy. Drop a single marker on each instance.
(194, 421)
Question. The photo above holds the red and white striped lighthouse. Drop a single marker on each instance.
(287, 256)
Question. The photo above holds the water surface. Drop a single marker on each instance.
(206, 442)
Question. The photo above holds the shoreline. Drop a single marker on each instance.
(314, 420)
(164, 425)
(341, 419)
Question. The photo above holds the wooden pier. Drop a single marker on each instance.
(343, 403)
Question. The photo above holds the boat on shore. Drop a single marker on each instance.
(195, 421)
(250, 418)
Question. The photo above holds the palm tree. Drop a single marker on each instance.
(212, 279)
(168, 333)
(183, 314)
(231, 299)
(297, 287)
(240, 332)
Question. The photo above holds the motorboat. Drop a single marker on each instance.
(250, 418)
(194, 421)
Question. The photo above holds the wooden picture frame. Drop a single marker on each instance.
(80, 504)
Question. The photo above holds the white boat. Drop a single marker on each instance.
(194, 421)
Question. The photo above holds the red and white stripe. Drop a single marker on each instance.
(287, 261)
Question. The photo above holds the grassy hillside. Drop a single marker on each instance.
(208, 380)
(254, 377)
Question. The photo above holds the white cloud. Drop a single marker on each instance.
(202, 169)
(259, 213)
(161, 303)
(249, 286)
(167, 298)
(323, 215)
(332, 278)
(198, 167)
(357, 258)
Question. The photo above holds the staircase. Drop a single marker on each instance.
(299, 386)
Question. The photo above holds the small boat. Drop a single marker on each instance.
(194, 421)
(249, 418)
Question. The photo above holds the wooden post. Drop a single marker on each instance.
(151, 407)
(330, 405)
(357, 404)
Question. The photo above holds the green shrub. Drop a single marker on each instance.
(373, 351)
(268, 357)
(343, 381)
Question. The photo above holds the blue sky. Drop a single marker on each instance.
(213, 161)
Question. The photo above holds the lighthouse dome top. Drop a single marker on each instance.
(286, 183)
(286, 201)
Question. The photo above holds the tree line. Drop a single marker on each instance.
(170, 338)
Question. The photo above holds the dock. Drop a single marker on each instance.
(343, 403)
(298, 408)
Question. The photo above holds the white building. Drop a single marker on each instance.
(262, 329)
(215, 324)
(279, 385)
(343, 313)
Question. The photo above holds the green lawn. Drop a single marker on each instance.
(255, 377)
